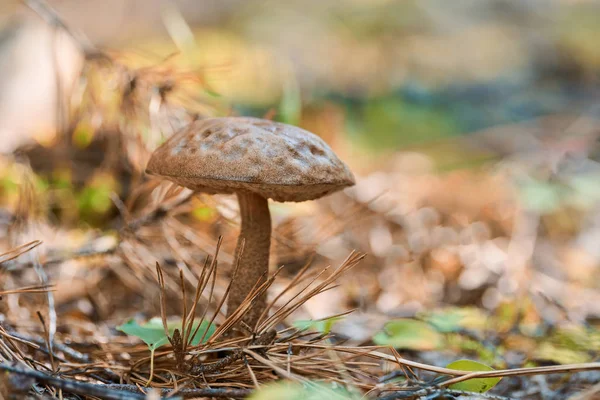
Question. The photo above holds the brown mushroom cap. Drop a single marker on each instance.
(236, 154)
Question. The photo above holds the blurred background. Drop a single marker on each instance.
(472, 127)
(386, 75)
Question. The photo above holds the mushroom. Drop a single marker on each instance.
(256, 159)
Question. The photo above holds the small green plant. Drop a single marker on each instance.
(153, 333)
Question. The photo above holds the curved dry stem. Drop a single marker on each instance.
(254, 262)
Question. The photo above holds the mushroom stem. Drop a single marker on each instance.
(254, 262)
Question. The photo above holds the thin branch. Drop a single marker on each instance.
(106, 392)
(190, 393)
(48, 339)
(19, 250)
(262, 340)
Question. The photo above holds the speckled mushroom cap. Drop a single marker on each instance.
(232, 154)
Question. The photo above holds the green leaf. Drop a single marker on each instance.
(320, 325)
(296, 391)
(154, 338)
(446, 322)
(560, 355)
(477, 385)
(569, 345)
(153, 334)
(454, 319)
(470, 346)
(409, 334)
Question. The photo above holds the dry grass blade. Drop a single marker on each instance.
(280, 371)
(212, 271)
(162, 297)
(184, 313)
(48, 339)
(464, 375)
(160, 211)
(297, 301)
(28, 289)
(552, 369)
(18, 251)
(236, 317)
(187, 328)
(233, 318)
(289, 287)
